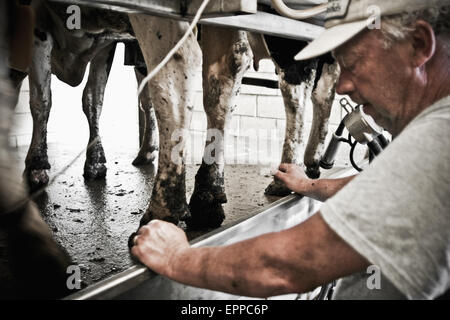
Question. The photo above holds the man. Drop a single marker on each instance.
(395, 215)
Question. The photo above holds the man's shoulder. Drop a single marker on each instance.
(441, 107)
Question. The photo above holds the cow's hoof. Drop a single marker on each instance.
(94, 171)
(313, 172)
(144, 159)
(277, 189)
(206, 211)
(148, 216)
(36, 179)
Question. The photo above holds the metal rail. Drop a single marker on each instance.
(184, 9)
(268, 23)
(237, 14)
(138, 282)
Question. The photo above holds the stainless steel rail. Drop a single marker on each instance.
(138, 282)
(236, 14)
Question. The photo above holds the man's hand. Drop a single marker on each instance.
(158, 244)
(294, 178)
(321, 189)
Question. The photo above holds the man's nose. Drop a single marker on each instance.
(345, 85)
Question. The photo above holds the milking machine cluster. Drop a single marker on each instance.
(361, 129)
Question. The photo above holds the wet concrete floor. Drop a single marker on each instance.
(92, 220)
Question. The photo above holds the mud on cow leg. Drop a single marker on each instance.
(224, 65)
(94, 166)
(322, 99)
(36, 162)
(172, 95)
(149, 145)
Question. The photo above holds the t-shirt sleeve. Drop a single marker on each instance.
(397, 212)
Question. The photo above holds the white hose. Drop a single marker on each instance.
(284, 10)
(174, 49)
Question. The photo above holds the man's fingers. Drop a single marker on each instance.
(284, 167)
(280, 175)
(135, 240)
(146, 228)
(136, 251)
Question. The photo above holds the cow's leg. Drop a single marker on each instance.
(295, 98)
(149, 145)
(172, 95)
(226, 57)
(36, 162)
(94, 166)
(322, 99)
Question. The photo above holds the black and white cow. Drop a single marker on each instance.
(66, 54)
(227, 55)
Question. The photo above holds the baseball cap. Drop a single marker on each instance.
(346, 18)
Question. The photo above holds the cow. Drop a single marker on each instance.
(66, 53)
(300, 81)
(32, 264)
(227, 55)
(170, 97)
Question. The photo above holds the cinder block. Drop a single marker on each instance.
(195, 145)
(267, 123)
(253, 123)
(198, 121)
(13, 141)
(247, 123)
(336, 114)
(266, 65)
(271, 107)
(246, 105)
(23, 104)
(281, 127)
(23, 140)
(23, 124)
(233, 128)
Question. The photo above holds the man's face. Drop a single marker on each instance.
(376, 77)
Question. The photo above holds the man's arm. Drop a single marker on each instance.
(321, 189)
(295, 260)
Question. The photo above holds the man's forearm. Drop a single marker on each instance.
(322, 189)
(245, 268)
(294, 260)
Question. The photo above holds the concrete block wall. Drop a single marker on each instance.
(259, 110)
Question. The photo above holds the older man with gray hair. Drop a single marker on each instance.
(395, 215)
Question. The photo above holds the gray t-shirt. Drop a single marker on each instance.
(397, 213)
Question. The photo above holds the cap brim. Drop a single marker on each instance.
(330, 39)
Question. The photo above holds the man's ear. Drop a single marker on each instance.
(424, 43)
